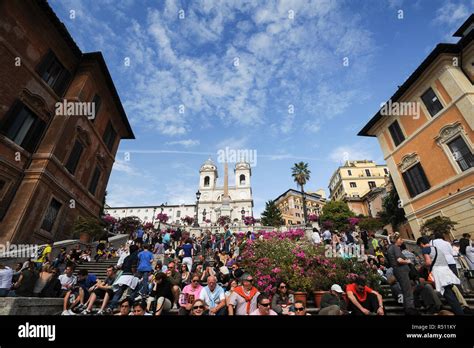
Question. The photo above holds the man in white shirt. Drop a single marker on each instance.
(214, 296)
(68, 279)
(6, 275)
(327, 237)
(316, 237)
(447, 250)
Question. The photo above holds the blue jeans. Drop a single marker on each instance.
(452, 300)
(144, 282)
(4, 292)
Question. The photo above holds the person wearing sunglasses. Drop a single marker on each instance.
(263, 307)
(189, 294)
(282, 301)
(198, 308)
(300, 308)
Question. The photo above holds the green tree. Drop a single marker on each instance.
(392, 212)
(371, 224)
(272, 215)
(301, 174)
(338, 212)
(438, 225)
(89, 225)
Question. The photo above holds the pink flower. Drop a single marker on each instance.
(276, 270)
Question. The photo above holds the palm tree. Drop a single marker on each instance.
(301, 174)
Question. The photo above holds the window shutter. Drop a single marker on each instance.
(34, 135)
(45, 63)
(408, 183)
(7, 121)
(62, 82)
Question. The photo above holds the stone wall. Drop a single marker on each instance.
(30, 306)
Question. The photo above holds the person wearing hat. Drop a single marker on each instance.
(243, 300)
(332, 302)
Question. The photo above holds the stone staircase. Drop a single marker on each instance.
(98, 268)
(392, 307)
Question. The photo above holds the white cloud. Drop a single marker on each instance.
(185, 143)
(352, 152)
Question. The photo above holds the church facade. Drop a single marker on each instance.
(212, 202)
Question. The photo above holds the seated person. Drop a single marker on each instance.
(79, 294)
(332, 302)
(282, 301)
(102, 290)
(161, 296)
(363, 300)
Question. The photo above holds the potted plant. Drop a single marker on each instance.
(87, 228)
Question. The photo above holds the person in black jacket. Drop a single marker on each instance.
(161, 297)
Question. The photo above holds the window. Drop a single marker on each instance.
(431, 102)
(23, 127)
(94, 181)
(353, 184)
(242, 179)
(131, 210)
(146, 210)
(123, 211)
(396, 133)
(461, 153)
(74, 157)
(367, 172)
(415, 180)
(2, 185)
(109, 136)
(385, 171)
(51, 215)
(372, 184)
(54, 73)
(145, 218)
(206, 181)
(96, 101)
(349, 172)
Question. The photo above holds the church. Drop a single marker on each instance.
(227, 200)
(214, 200)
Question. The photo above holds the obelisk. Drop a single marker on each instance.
(225, 209)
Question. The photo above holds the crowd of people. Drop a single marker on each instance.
(158, 272)
(417, 278)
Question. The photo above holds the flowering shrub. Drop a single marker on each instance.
(162, 217)
(289, 257)
(207, 221)
(353, 221)
(312, 217)
(188, 220)
(223, 220)
(328, 224)
(109, 220)
(249, 220)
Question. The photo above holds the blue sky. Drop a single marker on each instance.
(265, 76)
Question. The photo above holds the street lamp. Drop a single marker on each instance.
(198, 195)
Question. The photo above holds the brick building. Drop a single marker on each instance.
(54, 164)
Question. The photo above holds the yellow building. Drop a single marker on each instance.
(426, 134)
(290, 204)
(352, 181)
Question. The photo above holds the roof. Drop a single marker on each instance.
(464, 26)
(43, 4)
(442, 48)
(97, 56)
(295, 192)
